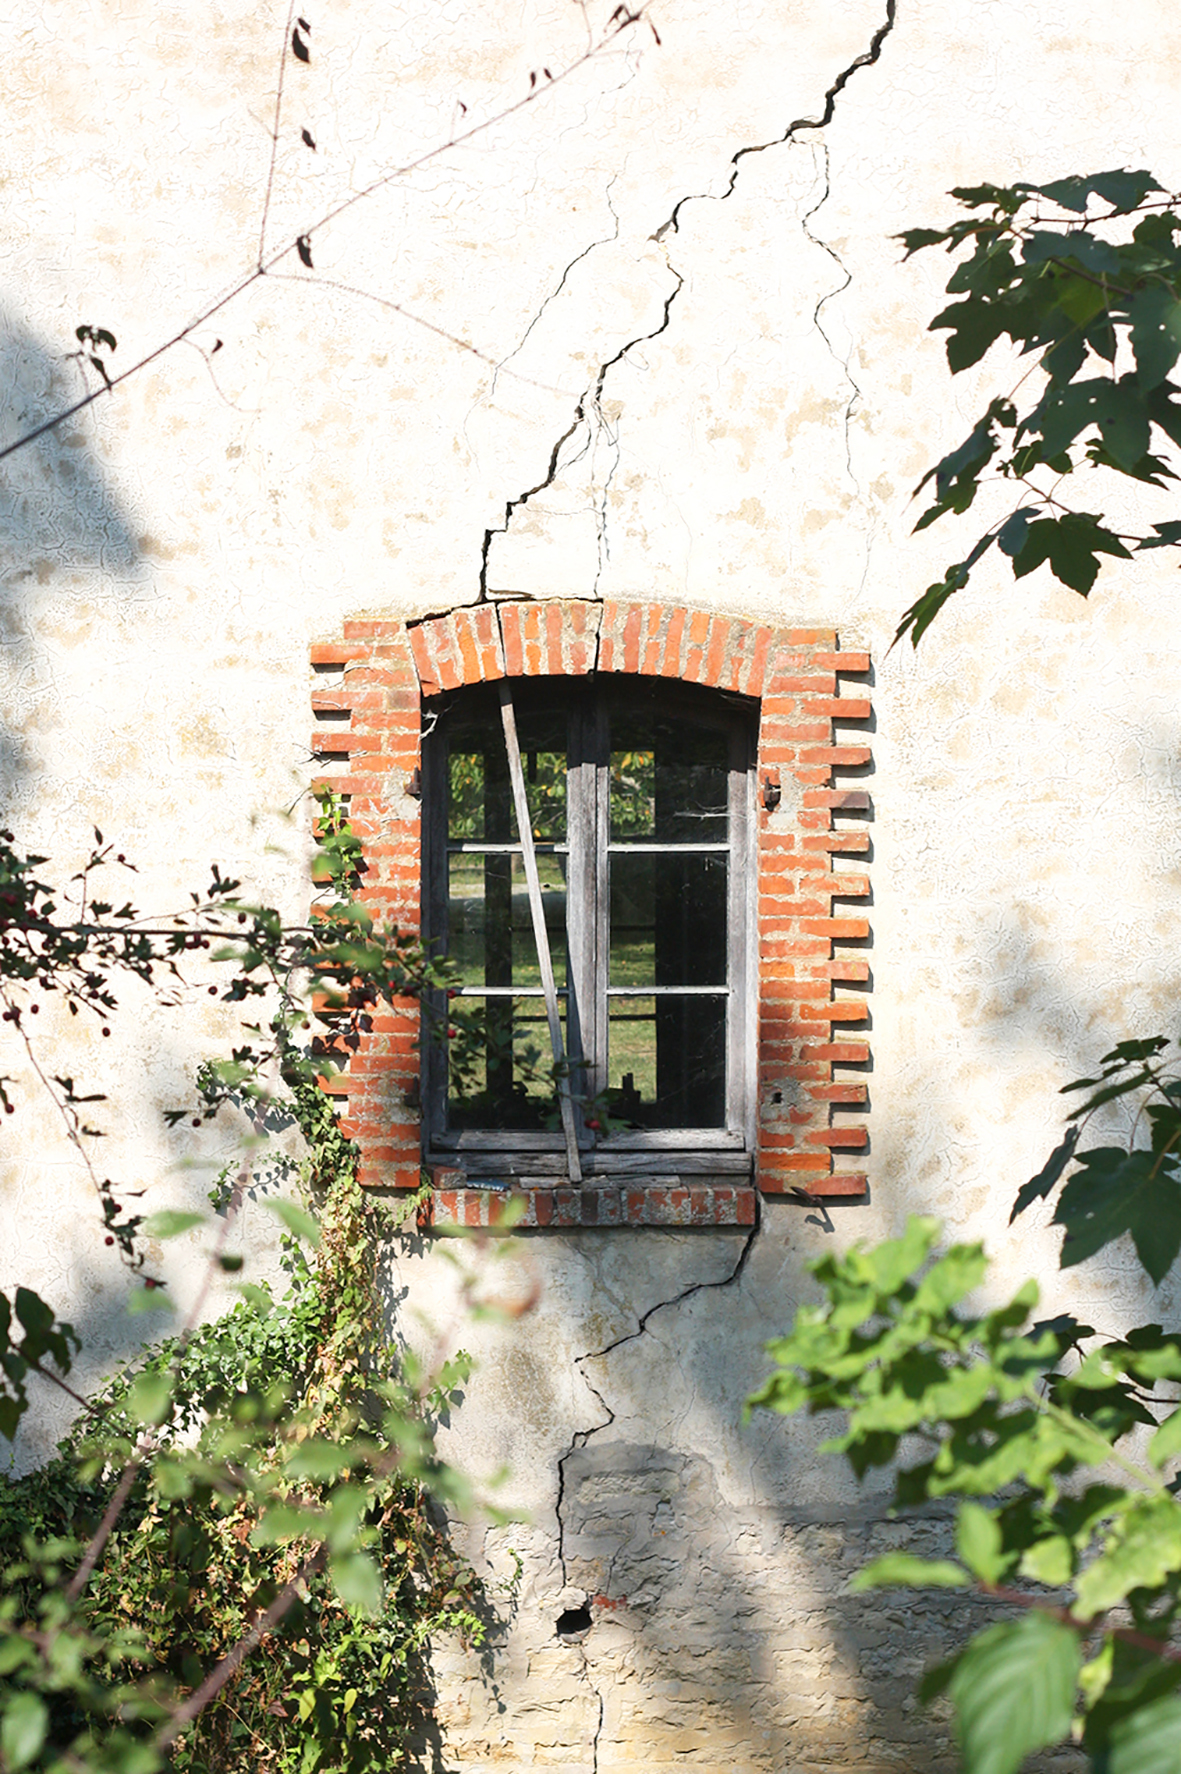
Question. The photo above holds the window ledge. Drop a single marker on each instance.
(659, 1202)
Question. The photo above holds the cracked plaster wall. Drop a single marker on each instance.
(769, 399)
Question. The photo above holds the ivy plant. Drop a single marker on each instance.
(236, 1559)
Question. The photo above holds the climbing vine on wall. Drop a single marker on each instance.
(237, 1557)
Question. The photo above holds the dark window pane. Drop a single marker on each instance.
(669, 779)
(489, 924)
(633, 794)
(504, 1077)
(667, 1062)
(541, 735)
(668, 919)
(480, 803)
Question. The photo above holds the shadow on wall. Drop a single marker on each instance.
(59, 515)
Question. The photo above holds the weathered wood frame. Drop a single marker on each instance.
(808, 965)
(726, 1150)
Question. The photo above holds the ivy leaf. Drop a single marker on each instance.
(1167, 536)
(1144, 1549)
(1007, 198)
(974, 326)
(925, 609)
(1012, 533)
(897, 1570)
(23, 1729)
(170, 1222)
(1147, 1741)
(1014, 1691)
(357, 1581)
(1156, 334)
(1038, 1187)
(296, 1220)
(1094, 255)
(150, 1397)
(1122, 189)
(915, 239)
(980, 1543)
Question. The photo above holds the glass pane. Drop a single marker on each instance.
(669, 780)
(490, 928)
(467, 790)
(541, 736)
(480, 803)
(668, 919)
(502, 1076)
(667, 1062)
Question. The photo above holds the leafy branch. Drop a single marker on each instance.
(97, 341)
(269, 1473)
(1084, 276)
(1026, 1423)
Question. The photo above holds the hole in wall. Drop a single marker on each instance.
(574, 1624)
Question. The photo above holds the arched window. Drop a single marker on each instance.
(640, 807)
(688, 785)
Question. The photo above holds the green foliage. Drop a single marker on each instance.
(1084, 276)
(1061, 1516)
(235, 1560)
(277, 1433)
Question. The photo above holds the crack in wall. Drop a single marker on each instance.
(607, 240)
(589, 411)
(582, 1437)
(830, 296)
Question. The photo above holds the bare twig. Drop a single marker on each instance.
(348, 289)
(458, 139)
(274, 154)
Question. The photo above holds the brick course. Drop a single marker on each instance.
(387, 667)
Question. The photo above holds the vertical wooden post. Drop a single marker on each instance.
(540, 933)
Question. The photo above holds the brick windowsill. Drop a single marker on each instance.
(558, 1207)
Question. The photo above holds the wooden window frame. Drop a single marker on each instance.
(494, 1153)
(812, 806)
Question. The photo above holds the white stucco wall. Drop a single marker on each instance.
(770, 397)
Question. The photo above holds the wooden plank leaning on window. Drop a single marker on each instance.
(540, 934)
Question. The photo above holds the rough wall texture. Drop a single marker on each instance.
(646, 338)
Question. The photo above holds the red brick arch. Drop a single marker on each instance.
(367, 703)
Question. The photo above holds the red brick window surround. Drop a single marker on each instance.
(368, 707)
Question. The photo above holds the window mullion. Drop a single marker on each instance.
(599, 719)
(540, 933)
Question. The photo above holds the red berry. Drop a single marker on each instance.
(108, 1241)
